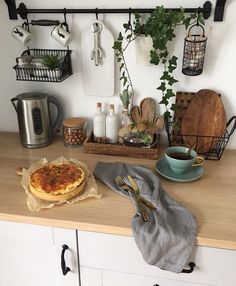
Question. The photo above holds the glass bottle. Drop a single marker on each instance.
(124, 118)
(112, 125)
(99, 122)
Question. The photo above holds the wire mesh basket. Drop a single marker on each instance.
(30, 72)
(215, 145)
(194, 52)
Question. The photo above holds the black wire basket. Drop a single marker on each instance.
(31, 73)
(215, 145)
(194, 52)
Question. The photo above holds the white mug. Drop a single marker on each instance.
(22, 35)
(61, 35)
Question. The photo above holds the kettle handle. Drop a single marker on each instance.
(14, 103)
(58, 121)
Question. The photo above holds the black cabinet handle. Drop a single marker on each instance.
(64, 268)
(191, 268)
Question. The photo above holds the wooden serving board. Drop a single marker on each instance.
(204, 119)
(146, 113)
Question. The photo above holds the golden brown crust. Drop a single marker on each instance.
(56, 198)
(57, 179)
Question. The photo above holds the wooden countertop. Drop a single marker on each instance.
(212, 199)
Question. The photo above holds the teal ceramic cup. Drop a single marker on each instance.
(179, 162)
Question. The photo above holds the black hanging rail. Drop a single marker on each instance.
(23, 11)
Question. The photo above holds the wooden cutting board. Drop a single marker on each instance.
(205, 116)
(146, 113)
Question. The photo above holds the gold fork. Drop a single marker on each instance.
(135, 187)
(122, 184)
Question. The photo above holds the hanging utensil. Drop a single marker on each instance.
(96, 54)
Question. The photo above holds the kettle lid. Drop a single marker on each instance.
(31, 95)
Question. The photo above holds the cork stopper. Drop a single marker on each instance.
(99, 104)
(112, 106)
(75, 122)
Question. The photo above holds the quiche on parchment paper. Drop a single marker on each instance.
(60, 181)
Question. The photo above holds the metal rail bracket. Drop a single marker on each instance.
(11, 4)
(219, 10)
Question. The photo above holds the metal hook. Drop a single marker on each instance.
(96, 13)
(129, 21)
(25, 25)
(65, 22)
(198, 13)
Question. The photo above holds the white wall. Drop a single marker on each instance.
(219, 70)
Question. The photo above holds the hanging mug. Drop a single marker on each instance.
(22, 35)
(62, 35)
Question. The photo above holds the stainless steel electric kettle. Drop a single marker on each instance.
(34, 118)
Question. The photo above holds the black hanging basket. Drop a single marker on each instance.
(31, 73)
(216, 145)
(194, 52)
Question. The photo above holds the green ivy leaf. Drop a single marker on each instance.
(154, 58)
(173, 107)
(121, 66)
(169, 93)
(173, 61)
(187, 22)
(171, 81)
(120, 37)
(164, 54)
(167, 114)
(162, 87)
(165, 76)
(129, 36)
(117, 46)
(200, 19)
(164, 101)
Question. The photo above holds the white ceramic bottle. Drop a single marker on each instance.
(99, 122)
(112, 125)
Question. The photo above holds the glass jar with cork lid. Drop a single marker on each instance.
(74, 131)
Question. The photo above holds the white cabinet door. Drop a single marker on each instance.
(120, 254)
(66, 259)
(31, 255)
(91, 276)
(111, 278)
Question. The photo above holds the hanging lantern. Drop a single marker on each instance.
(194, 52)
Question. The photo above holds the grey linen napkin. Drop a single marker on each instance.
(169, 236)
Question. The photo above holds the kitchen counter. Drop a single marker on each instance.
(212, 199)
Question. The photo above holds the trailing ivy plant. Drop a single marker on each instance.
(160, 26)
(120, 46)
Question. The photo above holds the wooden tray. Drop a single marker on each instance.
(91, 147)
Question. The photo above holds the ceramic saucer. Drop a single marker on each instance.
(164, 170)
